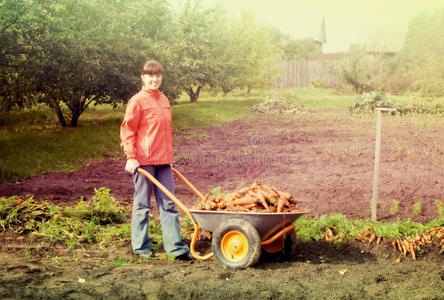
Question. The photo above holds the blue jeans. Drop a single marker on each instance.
(169, 217)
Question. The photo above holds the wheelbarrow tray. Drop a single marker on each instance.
(264, 223)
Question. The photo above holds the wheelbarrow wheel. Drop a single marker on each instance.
(236, 244)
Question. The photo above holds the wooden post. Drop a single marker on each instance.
(377, 156)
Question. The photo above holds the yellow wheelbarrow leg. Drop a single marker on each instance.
(276, 243)
(185, 210)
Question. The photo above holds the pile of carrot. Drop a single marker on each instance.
(408, 245)
(255, 198)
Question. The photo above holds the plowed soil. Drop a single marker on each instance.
(324, 159)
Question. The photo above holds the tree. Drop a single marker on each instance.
(294, 49)
(195, 45)
(83, 51)
(421, 61)
(15, 31)
(364, 72)
(258, 54)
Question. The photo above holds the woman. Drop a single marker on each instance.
(146, 138)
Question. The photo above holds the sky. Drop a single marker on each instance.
(347, 22)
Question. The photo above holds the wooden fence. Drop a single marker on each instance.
(304, 73)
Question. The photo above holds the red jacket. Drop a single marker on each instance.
(146, 132)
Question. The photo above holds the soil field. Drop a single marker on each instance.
(324, 159)
(313, 271)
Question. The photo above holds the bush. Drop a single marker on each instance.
(278, 104)
(370, 101)
(429, 88)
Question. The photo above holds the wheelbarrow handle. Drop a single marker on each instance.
(182, 207)
(188, 184)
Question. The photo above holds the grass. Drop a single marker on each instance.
(32, 143)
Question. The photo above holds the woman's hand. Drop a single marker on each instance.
(131, 166)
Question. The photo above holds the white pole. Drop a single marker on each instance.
(376, 169)
(377, 155)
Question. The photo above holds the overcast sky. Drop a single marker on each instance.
(347, 21)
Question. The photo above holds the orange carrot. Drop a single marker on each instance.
(412, 250)
(263, 201)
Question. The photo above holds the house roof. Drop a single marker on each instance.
(386, 39)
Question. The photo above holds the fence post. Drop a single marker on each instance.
(377, 156)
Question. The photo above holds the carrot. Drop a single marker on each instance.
(280, 205)
(394, 244)
(379, 240)
(417, 236)
(412, 250)
(361, 238)
(372, 239)
(398, 243)
(244, 201)
(205, 198)
(284, 194)
(330, 232)
(263, 201)
(405, 247)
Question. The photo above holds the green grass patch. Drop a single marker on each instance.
(319, 99)
(121, 262)
(32, 143)
(209, 112)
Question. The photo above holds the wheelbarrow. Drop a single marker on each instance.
(238, 237)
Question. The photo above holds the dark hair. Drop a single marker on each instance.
(152, 67)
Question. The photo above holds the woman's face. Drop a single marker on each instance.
(151, 82)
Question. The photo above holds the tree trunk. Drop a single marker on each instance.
(226, 90)
(77, 108)
(248, 90)
(193, 94)
(59, 113)
(75, 115)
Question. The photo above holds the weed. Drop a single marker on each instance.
(216, 192)
(395, 207)
(186, 225)
(57, 259)
(88, 222)
(417, 208)
(24, 215)
(28, 253)
(155, 232)
(101, 209)
(121, 262)
(439, 207)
